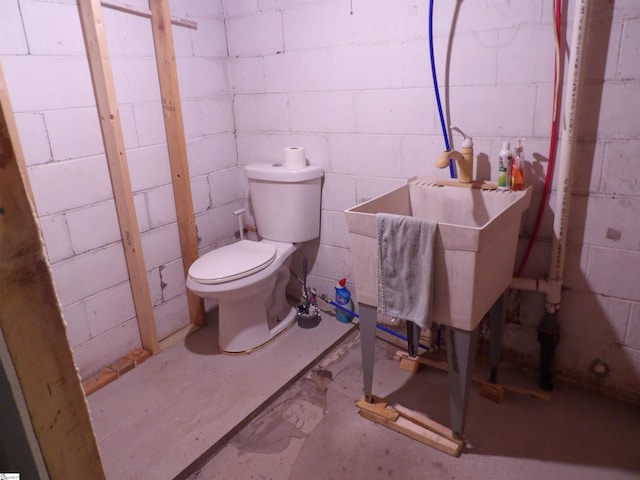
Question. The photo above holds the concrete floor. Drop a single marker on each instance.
(160, 419)
(313, 430)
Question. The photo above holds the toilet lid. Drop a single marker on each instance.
(232, 262)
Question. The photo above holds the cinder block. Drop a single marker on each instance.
(400, 112)
(128, 34)
(56, 237)
(98, 269)
(93, 226)
(149, 123)
(210, 39)
(172, 315)
(172, 278)
(149, 167)
(216, 114)
(333, 112)
(52, 28)
(263, 112)
(14, 41)
(61, 186)
(226, 185)
(317, 25)
(363, 67)
(202, 76)
(256, 34)
(74, 133)
(161, 245)
(246, 75)
(203, 160)
(39, 83)
(109, 308)
(297, 71)
(161, 206)
(338, 192)
(136, 79)
(378, 155)
(34, 139)
(200, 191)
(77, 327)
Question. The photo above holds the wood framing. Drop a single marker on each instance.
(33, 328)
(104, 89)
(176, 143)
(123, 7)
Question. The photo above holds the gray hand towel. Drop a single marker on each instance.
(405, 266)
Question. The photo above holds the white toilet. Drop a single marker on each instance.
(248, 279)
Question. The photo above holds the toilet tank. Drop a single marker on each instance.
(286, 203)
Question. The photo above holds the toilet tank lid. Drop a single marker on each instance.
(276, 172)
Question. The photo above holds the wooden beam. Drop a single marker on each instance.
(34, 330)
(123, 7)
(177, 145)
(13, 134)
(104, 89)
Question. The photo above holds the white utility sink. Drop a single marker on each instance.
(475, 249)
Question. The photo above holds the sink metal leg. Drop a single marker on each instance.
(368, 319)
(413, 338)
(461, 349)
(497, 316)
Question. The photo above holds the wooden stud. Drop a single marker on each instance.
(104, 89)
(31, 321)
(492, 392)
(176, 143)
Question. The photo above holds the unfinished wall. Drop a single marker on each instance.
(43, 55)
(350, 80)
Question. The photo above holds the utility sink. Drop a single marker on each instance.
(475, 250)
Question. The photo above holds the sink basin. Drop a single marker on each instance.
(475, 244)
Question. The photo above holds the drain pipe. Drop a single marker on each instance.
(548, 330)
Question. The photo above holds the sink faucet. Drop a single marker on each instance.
(463, 158)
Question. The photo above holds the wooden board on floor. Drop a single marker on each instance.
(476, 378)
(412, 424)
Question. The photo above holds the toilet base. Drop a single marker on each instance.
(247, 323)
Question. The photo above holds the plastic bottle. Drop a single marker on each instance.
(504, 170)
(343, 297)
(517, 171)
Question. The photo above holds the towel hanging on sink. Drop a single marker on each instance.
(405, 266)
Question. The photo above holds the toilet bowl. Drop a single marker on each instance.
(248, 278)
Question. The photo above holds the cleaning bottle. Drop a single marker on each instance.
(504, 170)
(517, 171)
(343, 297)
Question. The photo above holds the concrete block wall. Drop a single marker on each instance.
(43, 56)
(350, 81)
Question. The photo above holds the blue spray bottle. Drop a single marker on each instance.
(343, 297)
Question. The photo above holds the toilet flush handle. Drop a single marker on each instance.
(240, 214)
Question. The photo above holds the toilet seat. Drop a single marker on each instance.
(232, 262)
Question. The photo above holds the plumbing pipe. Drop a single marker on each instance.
(549, 330)
(530, 284)
(567, 145)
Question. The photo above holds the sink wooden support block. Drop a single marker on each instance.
(412, 424)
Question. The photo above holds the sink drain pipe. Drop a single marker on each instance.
(548, 330)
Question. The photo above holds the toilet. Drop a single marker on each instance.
(248, 278)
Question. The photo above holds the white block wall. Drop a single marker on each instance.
(44, 60)
(350, 81)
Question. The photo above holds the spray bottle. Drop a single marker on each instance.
(504, 170)
(343, 297)
(517, 172)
